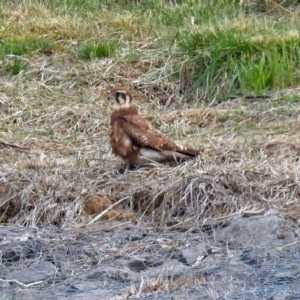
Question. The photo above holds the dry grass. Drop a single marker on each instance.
(62, 165)
(163, 285)
(54, 153)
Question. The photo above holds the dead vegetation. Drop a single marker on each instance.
(55, 163)
(42, 189)
(56, 166)
(162, 284)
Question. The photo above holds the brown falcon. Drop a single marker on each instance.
(135, 140)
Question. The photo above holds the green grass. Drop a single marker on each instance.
(236, 115)
(215, 47)
(100, 50)
(225, 56)
(73, 7)
(17, 66)
(26, 45)
(293, 100)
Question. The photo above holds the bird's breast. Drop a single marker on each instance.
(120, 142)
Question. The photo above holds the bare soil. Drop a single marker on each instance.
(249, 258)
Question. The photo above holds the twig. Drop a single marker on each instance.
(21, 283)
(285, 246)
(107, 210)
(253, 212)
(12, 146)
(280, 6)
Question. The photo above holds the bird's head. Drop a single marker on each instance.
(119, 97)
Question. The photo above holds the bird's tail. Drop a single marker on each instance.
(189, 151)
(182, 152)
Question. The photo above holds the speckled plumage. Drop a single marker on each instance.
(135, 140)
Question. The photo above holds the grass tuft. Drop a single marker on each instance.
(226, 58)
(17, 66)
(91, 50)
(26, 46)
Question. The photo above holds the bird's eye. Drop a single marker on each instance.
(117, 94)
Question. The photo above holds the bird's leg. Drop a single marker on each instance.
(127, 168)
(123, 171)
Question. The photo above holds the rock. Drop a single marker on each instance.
(245, 231)
(287, 276)
(36, 272)
(191, 254)
(116, 274)
(116, 262)
(255, 256)
(141, 265)
(10, 256)
(30, 294)
(87, 289)
(137, 265)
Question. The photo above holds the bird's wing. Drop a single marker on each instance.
(143, 134)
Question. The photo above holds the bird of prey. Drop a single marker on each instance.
(135, 140)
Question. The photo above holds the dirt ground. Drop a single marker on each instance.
(249, 258)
